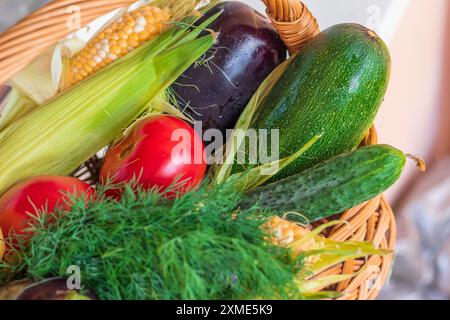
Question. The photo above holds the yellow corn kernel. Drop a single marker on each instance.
(92, 63)
(129, 20)
(144, 35)
(82, 73)
(134, 36)
(123, 43)
(128, 29)
(114, 37)
(115, 50)
(87, 68)
(122, 35)
(133, 43)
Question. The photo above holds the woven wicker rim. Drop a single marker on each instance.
(371, 221)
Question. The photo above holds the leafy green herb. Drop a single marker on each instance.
(148, 247)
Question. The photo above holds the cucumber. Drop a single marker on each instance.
(334, 86)
(333, 186)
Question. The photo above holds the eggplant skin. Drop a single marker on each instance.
(50, 289)
(217, 89)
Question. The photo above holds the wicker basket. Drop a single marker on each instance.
(371, 221)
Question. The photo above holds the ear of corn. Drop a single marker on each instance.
(319, 254)
(52, 71)
(59, 136)
(123, 36)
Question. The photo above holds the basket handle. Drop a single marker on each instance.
(20, 44)
(293, 21)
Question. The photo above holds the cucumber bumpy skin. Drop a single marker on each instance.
(334, 86)
(333, 186)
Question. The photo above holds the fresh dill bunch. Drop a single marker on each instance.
(149, 247)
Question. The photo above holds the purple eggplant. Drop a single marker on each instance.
(217, 88)
(53, 289)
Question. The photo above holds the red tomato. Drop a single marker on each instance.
(158, 151)
(32, 196)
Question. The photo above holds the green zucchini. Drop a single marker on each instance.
(334, 86)
(333, 186)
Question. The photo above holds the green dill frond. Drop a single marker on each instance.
(148, 247)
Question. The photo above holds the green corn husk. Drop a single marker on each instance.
(62, 134)
(15, 107)
(319, 254)
(254, 178)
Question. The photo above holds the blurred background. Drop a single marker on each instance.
(415, 118)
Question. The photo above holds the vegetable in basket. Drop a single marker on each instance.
(157, 152)
(123, 36)
(36, 196)
(217, 88)
(62, 134)
(48, 289)
(318, 254)
(53, 289)
(333, 186)
(195, 247)
(334, 85)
